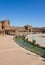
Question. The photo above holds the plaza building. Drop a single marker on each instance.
(6, 28)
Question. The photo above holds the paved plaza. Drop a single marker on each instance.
(13, 54)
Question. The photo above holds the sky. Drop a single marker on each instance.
(23, 12)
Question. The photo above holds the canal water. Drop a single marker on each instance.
(30, 47)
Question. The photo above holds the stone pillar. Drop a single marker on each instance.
(4, 32)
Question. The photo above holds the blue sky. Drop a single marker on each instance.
(23, 12)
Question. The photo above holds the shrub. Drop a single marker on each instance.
(33, 42)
